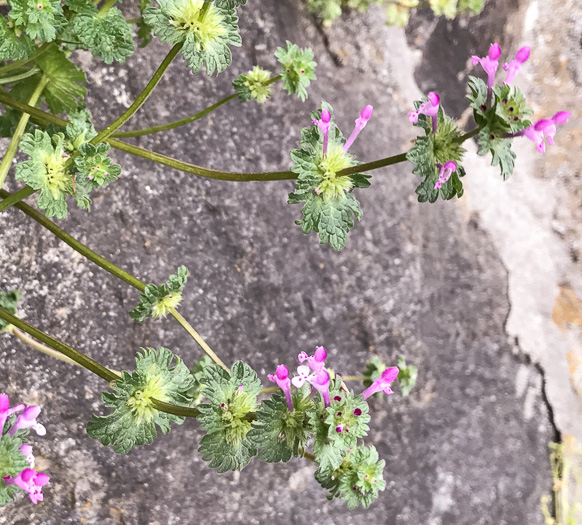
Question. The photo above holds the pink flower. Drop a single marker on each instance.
(361, 121)
(382, 384)
(490, 63)
(28, 420)
(513, 67)
(429, 108)
(544, 129)
(6, 411)
(445, 174)
(324, 124)
(281, 377)
(31, 482)
(27, 453)
(318, 380)
(315, 361)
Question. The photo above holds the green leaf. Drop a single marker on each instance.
(342, 414)
(8, 492)
(277, 433)
(12, 460)
(206, 38)
(329, 10)
(374, 368)
(253, 85)
(9, 301)
(358, 480)
(406, 376)
(64, 87)
(144, 32)
(500, 149)
(45, 171)
(229, 4)
(197, 372)
(134, 419)
(298, 69)
(108, 37)
(40, 19)
(95, 167)
(14, 45)
(330, 206)
(232, 397)
(511, 107)
(156, 301)
(472, 6)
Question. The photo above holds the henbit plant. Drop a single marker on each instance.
(69, 160)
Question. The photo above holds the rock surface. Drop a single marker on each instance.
(434, 283)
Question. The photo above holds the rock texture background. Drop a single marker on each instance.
(481, 294)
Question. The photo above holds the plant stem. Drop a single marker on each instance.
(33, 343)
(307, 455)
(25, 61)
(15, 141)
(88, 363)
(105, 7)
(196, 336)
(8, 80)
(109, 267)
(204, 10)
(71, 353)
(133, 20)
(175, 124)
(15, 198)
(269, 389)
(142, 97)
(187, 120)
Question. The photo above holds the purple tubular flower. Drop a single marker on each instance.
(281, 377)
(445, 174)
(28, 420)
(320, 381)
(324, 124)
(430, 109)
(382, 384)
(316, 361)
(490, 63)
(31, 482)
(544, 128)
(27, 453)
(6, 411)
(361, 121)
(513, 67)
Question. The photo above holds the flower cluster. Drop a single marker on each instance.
(16, 458)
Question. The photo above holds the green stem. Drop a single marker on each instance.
(142, 97)
(109, 267)
(134, 20)
(468, 135)
(33, 343)
(14, 198)
(175, 124)
(187, 120)
(74, 243)
(105, 7)
(15, 141)
(71, 353)
(203, 11)
(21, 63)
(21, 76)
(196, 336)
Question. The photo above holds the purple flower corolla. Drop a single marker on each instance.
(429, 108)
(490, 63)
(361, 121)
(318, 380)
(31, 482)
(28, 420)
(544, 129)
(324, 124)
(6, 411)
(513, 67)
(26, 450)
(316, 361)
(281, 377)
(445, 173)
(382, 384)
